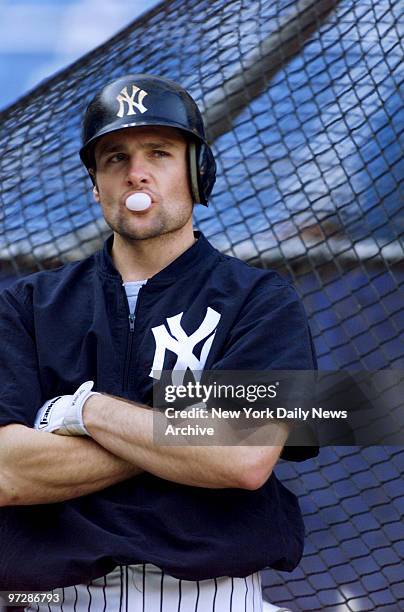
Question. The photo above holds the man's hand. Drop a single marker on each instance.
(63, 415)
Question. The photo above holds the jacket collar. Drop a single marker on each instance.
(200, 253)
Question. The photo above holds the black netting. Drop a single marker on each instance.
(303, 107)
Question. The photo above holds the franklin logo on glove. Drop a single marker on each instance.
(64, 414)
(44, 420)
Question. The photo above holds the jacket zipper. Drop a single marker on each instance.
(132, 317)
(131, 322)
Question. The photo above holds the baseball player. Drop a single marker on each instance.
(92, 508)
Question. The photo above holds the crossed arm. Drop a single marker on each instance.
(40, 467)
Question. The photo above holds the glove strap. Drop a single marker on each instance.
(73, 419)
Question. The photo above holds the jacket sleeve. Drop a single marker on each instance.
(20, 389)
(272, 333)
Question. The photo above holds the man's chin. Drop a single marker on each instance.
(139, 233)
(145, 231)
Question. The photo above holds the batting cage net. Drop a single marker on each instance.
(303, 108)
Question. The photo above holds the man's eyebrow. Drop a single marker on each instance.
(108, 148)
(159, 144)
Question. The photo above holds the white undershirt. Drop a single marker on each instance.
(132, 289)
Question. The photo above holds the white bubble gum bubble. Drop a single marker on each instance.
(138, 201)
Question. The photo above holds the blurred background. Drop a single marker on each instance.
(40, 37)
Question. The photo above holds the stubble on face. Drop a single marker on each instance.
(163, 222)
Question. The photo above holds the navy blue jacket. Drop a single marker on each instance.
(61, 327)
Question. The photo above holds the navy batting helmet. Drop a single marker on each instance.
(143, 99)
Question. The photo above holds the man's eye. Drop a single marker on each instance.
(159, 154)
(116, 157)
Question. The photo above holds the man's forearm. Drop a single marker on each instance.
(126, 430)
(38, 467)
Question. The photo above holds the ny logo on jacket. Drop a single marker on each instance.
(175, 339)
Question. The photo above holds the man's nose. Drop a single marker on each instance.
(137, 170)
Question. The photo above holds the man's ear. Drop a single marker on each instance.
(96, 194)
(95, 188)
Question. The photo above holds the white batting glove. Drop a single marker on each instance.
(63, 415)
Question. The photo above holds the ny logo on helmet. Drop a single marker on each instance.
(131, 101)
(177, 341)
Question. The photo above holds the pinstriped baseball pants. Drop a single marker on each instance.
(146, 588)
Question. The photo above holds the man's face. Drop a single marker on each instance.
(148, 159)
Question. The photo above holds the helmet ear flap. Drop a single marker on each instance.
(202, 169)
(194, 171)
(91, 173)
